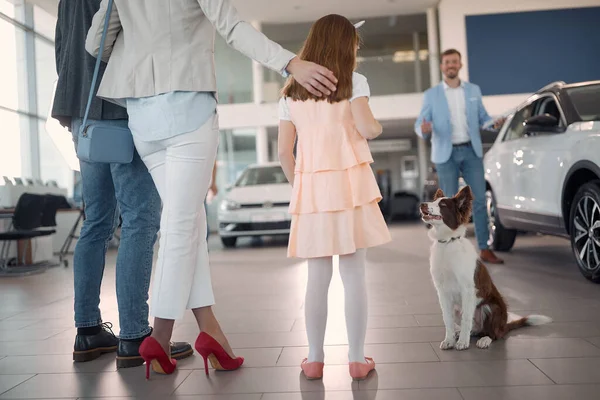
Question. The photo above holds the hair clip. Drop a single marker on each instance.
(359, 24)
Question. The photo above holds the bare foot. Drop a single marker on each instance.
(162, 331)
(219, 336)
(207, 322)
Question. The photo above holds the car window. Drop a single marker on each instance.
(544, 105)
(516, 129)
(262, 176)
(547, 105)
(586, 100)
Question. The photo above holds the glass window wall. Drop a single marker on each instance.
(387, 56)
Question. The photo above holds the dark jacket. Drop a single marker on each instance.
(75, 67)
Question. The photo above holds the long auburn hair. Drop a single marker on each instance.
(332, 43)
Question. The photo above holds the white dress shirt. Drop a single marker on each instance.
(458, 113)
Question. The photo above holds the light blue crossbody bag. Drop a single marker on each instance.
(98, 142)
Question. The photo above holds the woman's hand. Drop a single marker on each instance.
(316, 79)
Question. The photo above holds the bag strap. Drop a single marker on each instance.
(98, 60)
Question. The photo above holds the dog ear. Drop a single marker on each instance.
(438, 194)
(464, 198)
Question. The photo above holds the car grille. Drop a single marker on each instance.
(258, 226)
(262, 205)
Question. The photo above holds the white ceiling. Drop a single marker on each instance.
(309, 10)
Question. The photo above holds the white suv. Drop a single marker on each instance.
(543, 172)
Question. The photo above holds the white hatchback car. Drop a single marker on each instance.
(256, 205)
(543, 172)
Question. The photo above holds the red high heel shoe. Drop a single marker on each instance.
(153, 354)
(211, 350)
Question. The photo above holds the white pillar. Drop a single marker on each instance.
(262, 145)
(434, 46)
(434, 78)
(262, 138)
(27, 76)
(230, 157)
(418, 77)
(274, 150)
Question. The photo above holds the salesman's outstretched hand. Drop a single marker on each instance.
(499, 122)
(426, 127)
(316, 79)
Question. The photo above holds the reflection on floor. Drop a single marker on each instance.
(259, 302)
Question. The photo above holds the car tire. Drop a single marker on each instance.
(584, 220)
(229, 242)
(501, 238)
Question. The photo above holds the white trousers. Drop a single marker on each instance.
(181, 167)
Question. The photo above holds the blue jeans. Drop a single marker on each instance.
(108, 189)
(464, 161)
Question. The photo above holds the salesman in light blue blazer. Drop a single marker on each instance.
(451, 116)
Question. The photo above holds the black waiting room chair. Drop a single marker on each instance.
(28, 218)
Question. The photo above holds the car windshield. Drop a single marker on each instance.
(262, 176)
(586, 100)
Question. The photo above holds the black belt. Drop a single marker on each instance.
(465, 144)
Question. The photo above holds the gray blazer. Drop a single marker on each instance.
(159, 46)
(75, 67)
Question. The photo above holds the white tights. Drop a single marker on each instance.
(352, 271)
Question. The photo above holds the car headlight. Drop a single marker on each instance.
(229, 205)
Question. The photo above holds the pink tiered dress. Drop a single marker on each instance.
(334, 203)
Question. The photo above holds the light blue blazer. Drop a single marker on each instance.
(435, 109)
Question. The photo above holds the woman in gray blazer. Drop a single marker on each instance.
(160, 57)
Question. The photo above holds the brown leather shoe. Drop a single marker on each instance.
(489, 257)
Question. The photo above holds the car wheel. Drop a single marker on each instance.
(585, 230)
(501, 239)
(229, 242)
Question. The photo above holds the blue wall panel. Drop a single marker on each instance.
(521, 52)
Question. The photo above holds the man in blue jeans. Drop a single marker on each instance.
(109, 191)
(452, 116)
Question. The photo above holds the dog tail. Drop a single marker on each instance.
(531, 320)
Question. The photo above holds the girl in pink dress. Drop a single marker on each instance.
(334, 200)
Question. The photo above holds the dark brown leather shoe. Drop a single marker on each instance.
(128, 352)
(488, 256)
(90, 347)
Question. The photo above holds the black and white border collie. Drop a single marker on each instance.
(471, 304)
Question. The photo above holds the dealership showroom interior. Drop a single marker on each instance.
(168, 230)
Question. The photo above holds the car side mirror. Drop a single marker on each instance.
(544, 123)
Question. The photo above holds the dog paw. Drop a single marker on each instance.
(484, 342)
(462, 345)
(447, 344)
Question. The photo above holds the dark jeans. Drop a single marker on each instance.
(464, 161)
(107, 190)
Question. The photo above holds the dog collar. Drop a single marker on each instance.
(450, 240)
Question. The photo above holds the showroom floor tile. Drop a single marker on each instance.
(260, 299)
